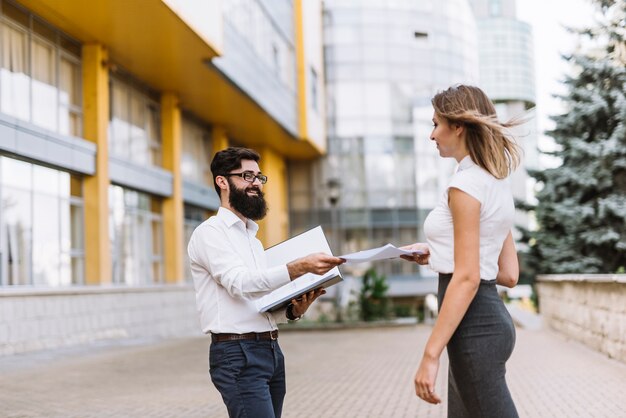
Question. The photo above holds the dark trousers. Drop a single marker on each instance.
(250, 376)
(478, 351)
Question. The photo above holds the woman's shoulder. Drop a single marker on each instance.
(478, 174)
(474, 174)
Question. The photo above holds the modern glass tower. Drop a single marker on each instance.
(507, 75)
(383, 62)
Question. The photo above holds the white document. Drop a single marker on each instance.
(380, 253)
(311, 241)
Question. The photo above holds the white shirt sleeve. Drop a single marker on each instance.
(213, 252)
(469, 183)
(280, 316)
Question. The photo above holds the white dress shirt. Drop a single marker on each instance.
(497, 213)
(230, 272)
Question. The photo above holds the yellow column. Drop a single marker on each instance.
(219, 139)
(173, 212)
(96, 188)
(300, 68)
(275, 227)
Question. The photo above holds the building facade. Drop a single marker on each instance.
(110, 112)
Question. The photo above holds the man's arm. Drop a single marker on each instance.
(212, 251)
(317, 263)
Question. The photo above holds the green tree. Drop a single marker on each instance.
(373, 297)
(581, 210)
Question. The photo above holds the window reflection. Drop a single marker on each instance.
(194, 216)
(267, 37)
(196, 152)
(136, 231)
(134, 125)
(41, 228)
(40, 80)
(44, 84)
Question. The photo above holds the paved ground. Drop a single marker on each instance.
(341, 373)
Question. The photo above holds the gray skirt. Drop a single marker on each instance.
(478, 351)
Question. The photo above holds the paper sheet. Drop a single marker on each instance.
(380, 253)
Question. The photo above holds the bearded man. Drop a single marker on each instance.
(230, 273)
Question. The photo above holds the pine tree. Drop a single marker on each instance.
(581, 210)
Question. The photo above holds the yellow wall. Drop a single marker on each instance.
(173, 212)
(275, 227)
(96, 188)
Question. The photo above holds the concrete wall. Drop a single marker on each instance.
(588, 308)
(42, 319)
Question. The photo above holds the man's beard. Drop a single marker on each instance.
(252, 207)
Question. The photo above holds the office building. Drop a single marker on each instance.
(110, 111)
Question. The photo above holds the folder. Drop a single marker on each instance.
(311, 241)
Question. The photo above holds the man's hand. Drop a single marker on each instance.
(317, 263)
(299, 306)
(422, 258)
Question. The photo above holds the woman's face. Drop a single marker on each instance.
(448, 138)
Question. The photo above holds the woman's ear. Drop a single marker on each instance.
(459, 129)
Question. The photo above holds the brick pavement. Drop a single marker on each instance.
(341, 373)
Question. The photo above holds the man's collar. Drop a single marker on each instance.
(231, 219)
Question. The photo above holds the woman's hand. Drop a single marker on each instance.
(302, 304)
(421, 253)
(425, 380)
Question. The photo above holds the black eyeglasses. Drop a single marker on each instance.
(249, 176)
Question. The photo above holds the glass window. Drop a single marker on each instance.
(136, 231)
(70, 101)
(194, 216)
(44, 83)
(40, 79)
(495, 8)
(41, 227)
(196, 153)
(134, 125)
(15, 80)
(266, 34)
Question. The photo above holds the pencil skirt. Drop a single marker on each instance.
(477, 353)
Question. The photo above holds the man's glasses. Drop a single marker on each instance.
(249, 176)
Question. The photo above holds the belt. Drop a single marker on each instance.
(267, 335)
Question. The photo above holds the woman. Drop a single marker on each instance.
(469, 243)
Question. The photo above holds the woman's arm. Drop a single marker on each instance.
(461, 291)
(508, 265)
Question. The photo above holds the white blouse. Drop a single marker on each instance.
(497, 213)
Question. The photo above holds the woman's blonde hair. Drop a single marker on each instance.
(489, 142)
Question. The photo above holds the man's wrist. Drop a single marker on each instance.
(290, 315)
(295, 269)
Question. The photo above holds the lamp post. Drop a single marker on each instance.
(333, 187)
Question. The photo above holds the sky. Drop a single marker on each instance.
(550, 41)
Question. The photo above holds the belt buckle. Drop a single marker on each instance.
(273, 336)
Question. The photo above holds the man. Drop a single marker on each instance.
(230, 272)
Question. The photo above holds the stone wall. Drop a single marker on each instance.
(39, 319)
(588, 308)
